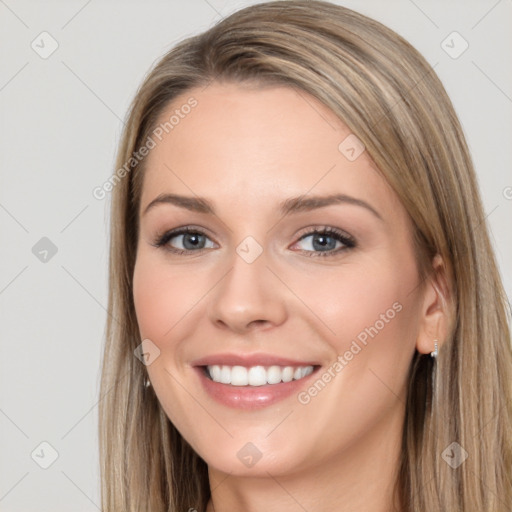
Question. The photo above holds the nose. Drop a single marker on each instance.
(248, 297)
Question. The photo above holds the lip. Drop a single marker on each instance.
(248, 360)
(251, 397)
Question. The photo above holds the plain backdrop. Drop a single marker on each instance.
(60, 121)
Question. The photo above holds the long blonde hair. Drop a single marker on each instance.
(392, 100)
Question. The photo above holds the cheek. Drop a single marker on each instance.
(150, 298)
(164, 299)
(353, 299)
(373, 316)
(162, 296)
(368, 314)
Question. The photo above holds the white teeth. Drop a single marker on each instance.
(225, 375)
(216, 373)
(274, 375)
(239, 376)
(257, 375)
(308, 370)
(287, 374)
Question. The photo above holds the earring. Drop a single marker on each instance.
(147, 382)
(434, 382)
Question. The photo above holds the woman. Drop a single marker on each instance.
(305, 309)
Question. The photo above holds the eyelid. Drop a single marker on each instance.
(340, 235)
(323, 228)
(162, 238)
(347, 240)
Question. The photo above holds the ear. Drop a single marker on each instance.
(437, 308)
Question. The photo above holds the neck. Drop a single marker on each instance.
(358, 479)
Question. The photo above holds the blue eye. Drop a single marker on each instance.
(324, 242)
(190, 240)
(327, 242)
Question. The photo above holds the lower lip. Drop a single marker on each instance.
(251, 397)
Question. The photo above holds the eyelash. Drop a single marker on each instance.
(340, 236)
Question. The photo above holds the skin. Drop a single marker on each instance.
(246, 149)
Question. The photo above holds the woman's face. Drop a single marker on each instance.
(251, 293)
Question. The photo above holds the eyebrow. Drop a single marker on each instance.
(289, 206)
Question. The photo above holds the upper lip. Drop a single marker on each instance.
(249, 360)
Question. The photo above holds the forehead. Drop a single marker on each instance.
(251, 146)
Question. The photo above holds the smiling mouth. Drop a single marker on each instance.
(256, 375)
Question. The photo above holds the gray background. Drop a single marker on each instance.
(61, 119)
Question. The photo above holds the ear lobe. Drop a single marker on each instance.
(436, 310)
